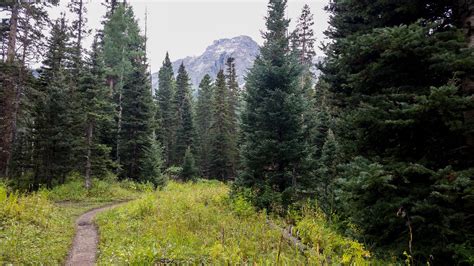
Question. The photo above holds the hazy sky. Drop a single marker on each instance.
(187, 27)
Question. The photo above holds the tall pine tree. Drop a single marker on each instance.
(51, 127)
(164, 95)
(303, 37)
(23, 41)
(97, 113)
(393, 71)
(184, 123)
(233, 103)
(221, 166)
(136, 132)
(273, 147)
(116, 44)
(203, 124)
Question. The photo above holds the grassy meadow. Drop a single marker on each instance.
(38, 228)
(182, 223)
(199, 223)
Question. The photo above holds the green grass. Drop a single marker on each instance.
(38, 228)
(184, 223)
(33, 230)
(199, 223)
(106, 190)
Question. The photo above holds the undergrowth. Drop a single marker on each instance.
(326, 245)
(32, 229)
(102, 190)
(36, 230)
(198, 223)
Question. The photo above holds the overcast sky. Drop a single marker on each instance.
(187, 27)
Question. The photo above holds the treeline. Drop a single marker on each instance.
(199, 135)
(93, 110)
(90, 111)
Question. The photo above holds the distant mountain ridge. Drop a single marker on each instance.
(243, 48)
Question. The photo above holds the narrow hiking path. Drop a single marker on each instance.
(84, 246)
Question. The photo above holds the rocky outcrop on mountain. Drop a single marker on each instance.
(243, 48)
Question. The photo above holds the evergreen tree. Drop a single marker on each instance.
(326, 175)
(22, 41)
(152, 165)
(233, 96)
(273, 148)
(314, 118)
(303, 37)
(51, 132)
(76, 70)
(189, 166)
(401, 124)
(184, 117)
(164, 95)
(97, 113)
(79, 31)
(138, 110)
(203, 124)
(221, 166)
(117, 55)
(9, 70)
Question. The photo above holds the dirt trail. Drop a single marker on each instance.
(84, 246)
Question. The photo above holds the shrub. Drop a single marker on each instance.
(328, 246)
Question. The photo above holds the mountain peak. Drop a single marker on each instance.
(243, 48)
(237, 39)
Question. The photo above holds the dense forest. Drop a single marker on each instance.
(381, 142)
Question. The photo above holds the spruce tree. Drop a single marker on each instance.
(184, 123)
(164, 95)
(138, 110)
(118, 64)
(273, 148)
(203, 124)
(78, 32)
(51, 120)
(97, 113)
(153, 163)
(303, 37)
(327, 174)
(221, 164)
(189, 171)
(393, 71)
(233, 103)
(23, 41)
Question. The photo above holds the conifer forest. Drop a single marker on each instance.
(352, 149)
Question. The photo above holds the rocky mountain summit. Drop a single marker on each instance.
(243, 48)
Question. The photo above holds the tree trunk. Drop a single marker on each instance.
(79, 34)
(21, 74)
(119, 129)
(119, 119)
(111, 86)
(13, 34)
(90, 131)
(7, 121)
